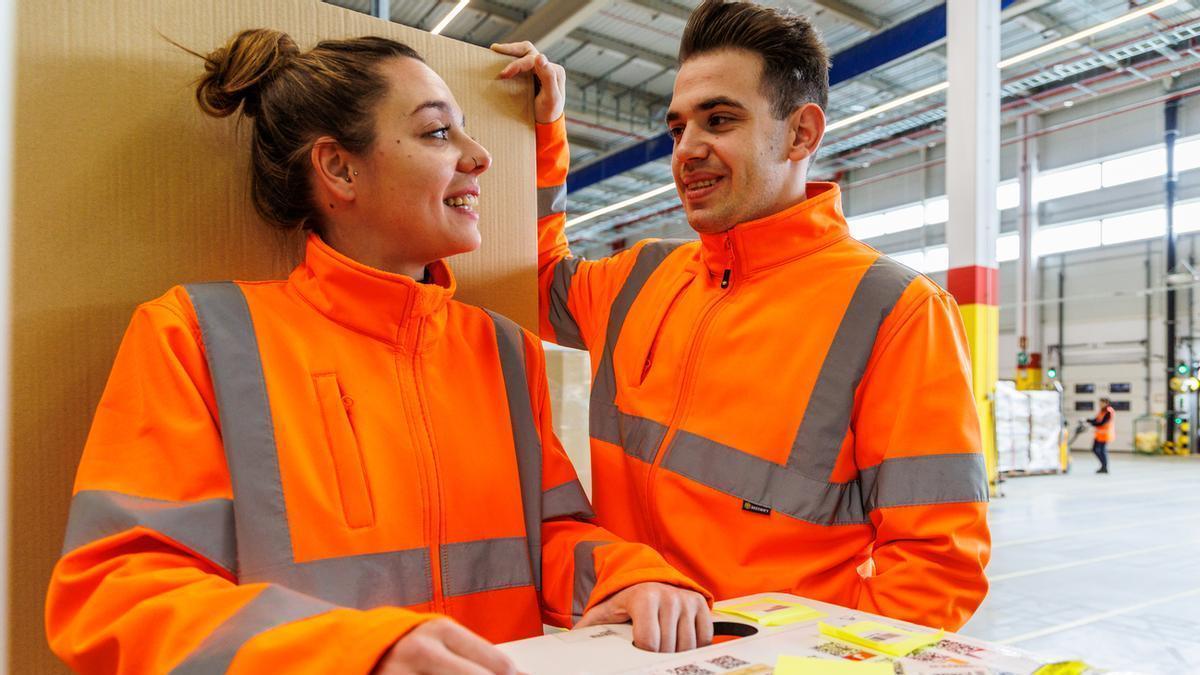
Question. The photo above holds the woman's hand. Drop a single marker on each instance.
(442, 646)
(550, 80)
(665, 618)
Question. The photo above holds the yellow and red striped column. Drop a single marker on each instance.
(972, 174)
(976, 289)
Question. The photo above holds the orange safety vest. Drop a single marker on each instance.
(290, 475)
(779, 407)
(1106, 431)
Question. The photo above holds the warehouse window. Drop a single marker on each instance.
(1138, 166)
(1055, 184)
(1008, 247)
(1133, 226)
(1063, 238)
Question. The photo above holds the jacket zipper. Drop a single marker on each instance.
(436, 517)
(414, 412)
(685, 391)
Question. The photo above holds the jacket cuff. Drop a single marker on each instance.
(385, 626)
(553, 153)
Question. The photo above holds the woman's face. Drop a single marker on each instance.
(417, 190)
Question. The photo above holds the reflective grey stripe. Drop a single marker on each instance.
(205, 527)
(566, 329)
(763, 482)
(510, 343)
(606, 422)
(925, 479)
(585, 576)
(551, 200)
(273, 607)
(485, 565)
(263, 537)
(827, 415)
(393, 578)
(247, 432)
(639, 436)
(567, 499)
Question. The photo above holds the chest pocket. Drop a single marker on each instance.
(357, 506)
(646, 339)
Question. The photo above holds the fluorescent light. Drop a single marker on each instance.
(908, 98)
(437, 30)
(620, 205)
(1086, 32)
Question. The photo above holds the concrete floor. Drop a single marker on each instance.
(1103, 568)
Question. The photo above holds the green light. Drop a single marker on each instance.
(1182, 369)
(1178, 420)
(1052, 373)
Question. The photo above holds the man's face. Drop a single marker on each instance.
(730, 160)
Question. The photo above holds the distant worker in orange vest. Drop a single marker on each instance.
(1105, 425)
(346, 471)
(777, 406)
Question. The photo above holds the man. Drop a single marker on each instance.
(776, 407)
(1104, 424)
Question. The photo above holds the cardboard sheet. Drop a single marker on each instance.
(124, 188)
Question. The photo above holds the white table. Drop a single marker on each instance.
(608, 650)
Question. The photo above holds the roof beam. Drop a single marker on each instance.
(664, 7)
(496, 9)
(553, 21)
(605, 42)
(848, 12)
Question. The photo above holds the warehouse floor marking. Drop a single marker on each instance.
(1096, 617)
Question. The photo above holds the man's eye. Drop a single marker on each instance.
(675, 132)
(443, 133)
(716, 120)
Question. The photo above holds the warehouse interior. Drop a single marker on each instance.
(1099, 168)
(1037, 162)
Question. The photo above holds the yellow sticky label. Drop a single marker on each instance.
(881, 637)
(771, 612)
(1064, 668)
(799, 665)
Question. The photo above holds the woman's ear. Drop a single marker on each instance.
(806, 128)
(333, 172)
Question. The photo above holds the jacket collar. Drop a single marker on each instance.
(778, 238)
(393, 308)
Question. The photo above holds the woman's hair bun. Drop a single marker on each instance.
(234, 74)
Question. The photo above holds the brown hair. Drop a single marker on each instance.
(795, 61)
(295, 98)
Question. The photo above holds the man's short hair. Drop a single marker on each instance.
(795, 61)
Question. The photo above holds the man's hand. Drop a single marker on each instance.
(665, 618)
(442, 646)
(550, 80)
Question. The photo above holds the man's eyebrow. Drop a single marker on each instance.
(720, 101)
(708, 104)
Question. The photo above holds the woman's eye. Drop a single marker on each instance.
(441, 134)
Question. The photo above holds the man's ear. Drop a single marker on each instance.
(333, 171)
(806, 128)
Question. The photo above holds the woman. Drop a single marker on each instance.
(309, 475)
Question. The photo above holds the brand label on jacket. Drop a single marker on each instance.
(756, 508)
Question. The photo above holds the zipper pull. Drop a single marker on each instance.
(728, 270)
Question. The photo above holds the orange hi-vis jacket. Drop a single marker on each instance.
(287, 476)
(1106, 424)
(778, 408)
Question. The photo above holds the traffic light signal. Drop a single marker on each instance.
(1183, 369)
(1052, 373)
